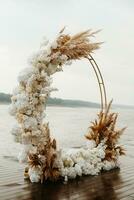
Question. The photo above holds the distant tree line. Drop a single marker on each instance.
(6, 98)
(71, 103)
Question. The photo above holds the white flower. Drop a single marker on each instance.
(101, 153)
(35, 101)
(51, 68)
(67, 161)
(43, 74)
(78, 170)
(22, 101)
(34, 178)
(30, 122)
(108, 165)
(54, 45)
(28, 112)
(91, 144)
(63, 58)
(48, 51)
(31, 80)
(55, 55)
(35, 174)
(71, 173)
(77, 158)
(102, 144)
(87, 168)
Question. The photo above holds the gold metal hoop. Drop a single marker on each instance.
(100, 80)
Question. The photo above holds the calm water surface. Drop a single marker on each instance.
(68, 126)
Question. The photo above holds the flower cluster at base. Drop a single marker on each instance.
(28, 105)
(76, 162)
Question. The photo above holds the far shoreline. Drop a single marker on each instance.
(115, 106)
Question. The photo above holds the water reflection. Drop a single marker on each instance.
(94, 187)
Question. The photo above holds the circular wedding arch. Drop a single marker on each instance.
(45, 161)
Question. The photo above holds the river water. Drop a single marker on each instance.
(68, 126)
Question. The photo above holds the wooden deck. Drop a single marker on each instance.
(116, 184)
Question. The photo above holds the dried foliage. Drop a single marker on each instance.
(104, 128)
(26, 175)
(34, 160)
(45, 157)
(77, 46)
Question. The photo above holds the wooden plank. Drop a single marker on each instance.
(114, 184)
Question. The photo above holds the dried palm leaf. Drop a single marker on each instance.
(105, 128)
(33, 160)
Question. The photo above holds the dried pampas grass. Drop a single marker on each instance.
(77, 46)
(104, 128)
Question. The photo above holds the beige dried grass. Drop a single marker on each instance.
(105, 128)
(77, 46)
(45, 157)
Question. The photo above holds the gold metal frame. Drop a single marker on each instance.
(100, 82)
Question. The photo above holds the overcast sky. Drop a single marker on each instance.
(23, 23)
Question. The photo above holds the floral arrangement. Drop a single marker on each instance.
(45, 161)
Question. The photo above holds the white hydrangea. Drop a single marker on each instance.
(82, 161)
(56, 55)
(30, 123)
(90, 144)
(43, 74)
(78, 169)
(22, 101)
(36, 133)
(28, 112)
(63, 58)
(25, 74)
(101, 153)
(51, 69)
(88, 169)
(108, 165)
(31, 80)
(54, 44)
(71, 173)
(85, 153)
(67, 161)
(35, 174)
(76, 155)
